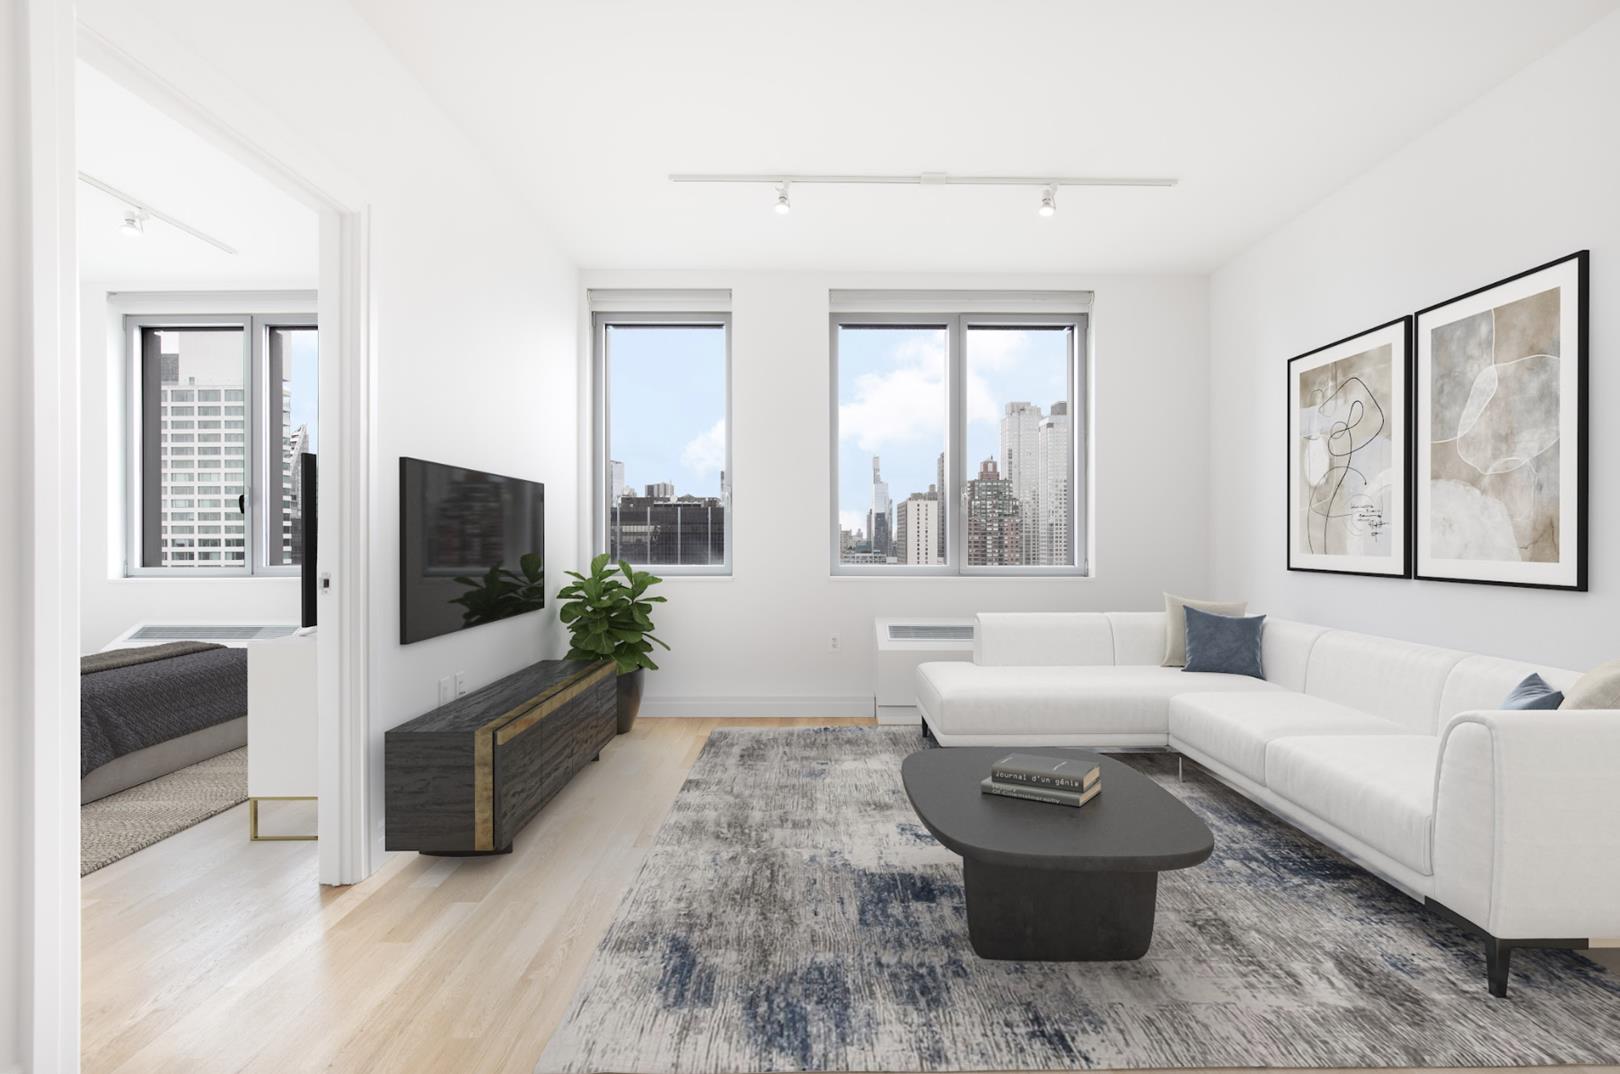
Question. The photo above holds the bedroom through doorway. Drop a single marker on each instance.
(200, 430)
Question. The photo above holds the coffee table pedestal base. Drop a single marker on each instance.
(1040, 915)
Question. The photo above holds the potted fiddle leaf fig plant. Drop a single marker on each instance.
(608, 614)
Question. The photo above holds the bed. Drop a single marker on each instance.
(149, 711)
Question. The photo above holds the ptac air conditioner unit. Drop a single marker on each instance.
(902, 644)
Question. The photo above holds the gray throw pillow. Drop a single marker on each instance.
(1225, 644)
(1533, 693)
(1175, 623)
(1597, 689)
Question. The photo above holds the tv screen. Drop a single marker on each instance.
(472, 548)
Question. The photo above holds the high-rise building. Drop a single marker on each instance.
(661, 490)
(653, 529)
(917, 524)
(202, 463)
(616, 487)
(1054, 465)
(994, 533)
(944, 514)
(1020, 435)
(879, 517)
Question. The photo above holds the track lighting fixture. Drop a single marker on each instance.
(1049, 184)
(134, 225)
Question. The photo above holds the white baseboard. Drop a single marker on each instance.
(847, 705)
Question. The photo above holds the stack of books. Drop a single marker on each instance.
(1054, 780)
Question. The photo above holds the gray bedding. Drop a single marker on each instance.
(132, 699)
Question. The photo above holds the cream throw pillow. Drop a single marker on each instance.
(1175, 623)
(1597, 689)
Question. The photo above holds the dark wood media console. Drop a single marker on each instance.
(465, 777)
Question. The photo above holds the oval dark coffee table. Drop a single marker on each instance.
(1054, 883)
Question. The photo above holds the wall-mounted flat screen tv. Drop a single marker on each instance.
(472, 548)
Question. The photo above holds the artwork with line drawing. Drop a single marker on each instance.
(1347, 438)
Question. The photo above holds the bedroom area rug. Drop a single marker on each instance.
(118, 825)
(793, 915)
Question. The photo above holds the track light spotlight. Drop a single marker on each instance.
(783, 206)
(134, 225)
(1048, 201)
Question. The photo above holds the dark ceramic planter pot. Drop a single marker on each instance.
(630, 687)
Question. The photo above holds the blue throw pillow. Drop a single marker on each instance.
(1227, 644)
(1533, 693)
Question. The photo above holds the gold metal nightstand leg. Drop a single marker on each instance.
(253, 819)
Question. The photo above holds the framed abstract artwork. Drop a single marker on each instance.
(1501, 432)
(1349, 454)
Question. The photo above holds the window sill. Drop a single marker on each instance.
(193, 579)
(950, 578)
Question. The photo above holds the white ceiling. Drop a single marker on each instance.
(130, 145)
(1261, 107)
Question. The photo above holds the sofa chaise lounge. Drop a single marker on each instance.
(1394, 754)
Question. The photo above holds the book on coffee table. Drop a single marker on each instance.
(1047, 795)
(1052, 773)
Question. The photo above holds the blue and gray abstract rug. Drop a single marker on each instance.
(793, 915)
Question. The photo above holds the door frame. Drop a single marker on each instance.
(190, 90)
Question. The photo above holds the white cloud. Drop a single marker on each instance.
(705, 454)
(903, 403)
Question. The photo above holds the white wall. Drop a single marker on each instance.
(109, 602)
(15, 786)
(1526, 174)
(474, 313)
(758, 641)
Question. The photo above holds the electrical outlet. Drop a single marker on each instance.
(445, 691)
(461, 684)
(833, 645)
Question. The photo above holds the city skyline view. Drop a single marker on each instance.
(893, 421)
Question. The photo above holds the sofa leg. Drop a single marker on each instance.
(928, 733)
(1497, 956)
(1181, 769)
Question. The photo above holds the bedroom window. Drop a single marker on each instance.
(220, 408)
(958, 442)
(664, 440)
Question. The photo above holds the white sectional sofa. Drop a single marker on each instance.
(1392, 753)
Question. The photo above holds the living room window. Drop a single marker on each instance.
(959, 438)
(220, 408)
(663, 455)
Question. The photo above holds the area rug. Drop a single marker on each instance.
(793, 915)
(118, 825)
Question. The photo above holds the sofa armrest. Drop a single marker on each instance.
(1042, 639)
(1527, 822)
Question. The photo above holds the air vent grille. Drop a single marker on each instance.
(214, 632)
(931, 632)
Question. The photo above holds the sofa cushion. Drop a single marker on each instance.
(1481, 682)
(1597, 689)
(1042, 639)
(1138, 637)
(1235, 728)
(1285, 651)
(1398, 680)
(970, 699)
(1533, 693)
(1378, 788)
(1175, 623)
(1227, 644)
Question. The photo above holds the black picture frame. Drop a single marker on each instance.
(1404, 327)
(1578, 563)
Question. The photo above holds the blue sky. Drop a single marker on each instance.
(668, 392)
(892, 402)
(305, 374)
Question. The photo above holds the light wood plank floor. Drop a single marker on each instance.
(208, 953)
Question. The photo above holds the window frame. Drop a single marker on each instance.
(255, 426)
(602, 446)
(953, 498)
